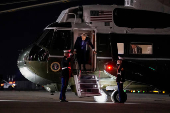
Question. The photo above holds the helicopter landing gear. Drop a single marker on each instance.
(115, 97)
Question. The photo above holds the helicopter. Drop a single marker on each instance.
(112, 29)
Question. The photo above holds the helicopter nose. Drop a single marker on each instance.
(24, 65)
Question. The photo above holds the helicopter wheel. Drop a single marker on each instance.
(115, 96)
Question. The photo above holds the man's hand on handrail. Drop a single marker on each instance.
(95, 52)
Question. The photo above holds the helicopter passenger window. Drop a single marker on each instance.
(120, 47)
(61, 40)
(141, 48)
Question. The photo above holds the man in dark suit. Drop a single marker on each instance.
(135, 49)
(80, 48)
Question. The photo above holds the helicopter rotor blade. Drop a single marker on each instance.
(36, 5)
(76, 2)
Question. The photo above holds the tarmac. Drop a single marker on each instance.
(44, 102)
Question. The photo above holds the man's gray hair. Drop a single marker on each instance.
(83, 34)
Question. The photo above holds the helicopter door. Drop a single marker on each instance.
(90, 56)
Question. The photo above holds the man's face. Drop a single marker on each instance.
(83, 37)
(66, 54)
(119, 61)
(133, 46)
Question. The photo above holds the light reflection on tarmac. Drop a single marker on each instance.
(69, 102)
(43, 102)
(44, 96)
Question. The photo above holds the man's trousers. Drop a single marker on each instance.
(64, 82)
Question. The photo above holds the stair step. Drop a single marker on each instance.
(80, 82)
(87, 85)
(90, 94)
(90, 88)
(87, 81)
(87, 77)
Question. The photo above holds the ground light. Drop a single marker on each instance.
(155, 91)
(102, 98)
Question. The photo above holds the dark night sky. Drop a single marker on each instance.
(20, 29)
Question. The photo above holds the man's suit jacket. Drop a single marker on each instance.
(137, 49)
(78, 44)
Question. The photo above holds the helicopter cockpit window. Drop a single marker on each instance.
(38, 54)
(61, 40)
(141, 48)
(46, 40)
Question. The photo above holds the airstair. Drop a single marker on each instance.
(87, 85)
